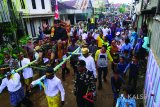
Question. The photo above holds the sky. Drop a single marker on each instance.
(114, 1)
(120, 1)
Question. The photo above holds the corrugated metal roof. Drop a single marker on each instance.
(79, 4)
(70, 3)
(61, 6)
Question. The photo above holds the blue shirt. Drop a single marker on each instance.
(135, 35)
(132, 41)
(137, 47)
(122, 101)
(126, 47)
(110, 38)
(121, 68)
(134, 69)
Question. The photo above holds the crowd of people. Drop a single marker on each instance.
(100, 42)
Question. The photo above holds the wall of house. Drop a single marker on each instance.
(29, 9)
(152, 82)
(153, 3)
(37, 23)
(139, 24)
(28, 28)
(155, 38)
(4, 12)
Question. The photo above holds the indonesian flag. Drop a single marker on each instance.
(56, 14)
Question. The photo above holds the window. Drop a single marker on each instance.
(22, 4)
(32, 28)
(33, 4)
(43, 5)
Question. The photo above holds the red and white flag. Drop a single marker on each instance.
(56, 14)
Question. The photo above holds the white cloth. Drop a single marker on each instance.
(95, 35)
(27, 72)
(84, 36)
(12, 84)
(109, 30)
(80, 32)
(105, 31)
(52, 87)
(45, 60)
(90, 64)
(36, 55)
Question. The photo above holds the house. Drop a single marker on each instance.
(100, 6)
(4, 12)
(35, 14)
(148, 21)
(10, 22)
(75, 10)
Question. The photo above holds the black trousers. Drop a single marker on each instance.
(64, 71)
(73, 64)
(26, 102)
(81, 102)
(133, 81)
(102, 71)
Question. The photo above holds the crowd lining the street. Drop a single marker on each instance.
(99, 41)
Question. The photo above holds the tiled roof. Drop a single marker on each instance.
(61, 6)
(70, 3)
(78, 4)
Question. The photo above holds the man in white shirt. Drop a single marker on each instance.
(27, 72)
(84, 36)
(90, 64)
(105, 31)
(80, 31)
(95, 35)
(14, 86)
(53, 88)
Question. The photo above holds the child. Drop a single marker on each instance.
(126, 56)
(121, 66)
(116, 82)
(133, 72)
(126, 99)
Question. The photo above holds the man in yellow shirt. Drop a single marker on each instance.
(100, 40)
(101, 58)
(106, 43)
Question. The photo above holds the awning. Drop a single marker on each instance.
(149, 11)
(37, 15)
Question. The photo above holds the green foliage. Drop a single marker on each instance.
(122, 9)
(24, 40)
(1, 58)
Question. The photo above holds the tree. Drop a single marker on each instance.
(122, 9)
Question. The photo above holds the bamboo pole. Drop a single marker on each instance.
(19, 69)
(36, 82)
